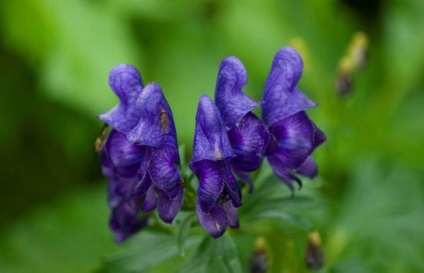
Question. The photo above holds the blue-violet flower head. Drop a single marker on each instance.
(247, 133)
(120, 161)
(218, 192)
(293, 135)
(160, 181)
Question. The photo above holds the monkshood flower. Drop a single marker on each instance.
(293, 135)
(247, 133)
(140, 156)
(159, 176)
(120, 158)
(120, 161)
(218, 193)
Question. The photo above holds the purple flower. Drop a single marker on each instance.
(293, 135)
(159, 176)
(140, 156)
(218, 191)
(120, 162)
(247, 133)
(126, 82)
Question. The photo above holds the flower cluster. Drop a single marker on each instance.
(140, 156)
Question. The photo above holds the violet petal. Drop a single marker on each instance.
(283, 173)
(245, 178)
(211, 184)
(164, 168)
(168, 208)
(231, 186)
(308, 168)
(215, 221)
(232, 215)
(210, 138)
(124, 222)
(120, 190)
(249, 139)
(150, 200)
(126, 82)
(230, 99)
(156, 124)
(295, 140)
(281, 97)
(123, 156)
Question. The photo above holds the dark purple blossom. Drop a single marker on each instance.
(140, 156)
(218, 191)
(160, 181)
(294, 136)
(247, 133)
(120, 162)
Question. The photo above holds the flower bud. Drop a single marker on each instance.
(314, 253)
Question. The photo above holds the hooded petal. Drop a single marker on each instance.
(308, 168)
(126, 82)
(295, 138)
(249, 139)
(164, 169)
(281, 97)
(210, 137)
(156, 124)
(211, 185)
(121, 155)
(215, 221)
(230, 99)
(168, 208)
(124, 221)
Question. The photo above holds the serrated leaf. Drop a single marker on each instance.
(213, 255)
(183, 229)
(270, 200)
(145, 252)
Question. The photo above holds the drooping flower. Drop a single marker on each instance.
(140, 156)
(120, 161)
(159, 176)
(218, 191)
(293, 135)
(247, 133)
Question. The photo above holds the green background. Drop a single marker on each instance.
(54, 62)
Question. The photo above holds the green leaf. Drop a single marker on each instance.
(214, 255)
(183, 229)
(69, 236)
(275, 209)
(144, 252)
(380, 218)
(72, 62)
(272, 200)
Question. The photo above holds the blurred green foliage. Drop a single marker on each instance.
(55, 56)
